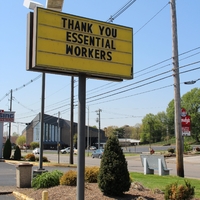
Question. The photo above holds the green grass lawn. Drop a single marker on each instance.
(153, 181)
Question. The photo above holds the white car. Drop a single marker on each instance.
(67, 150)
(93, 148)
(36, 151)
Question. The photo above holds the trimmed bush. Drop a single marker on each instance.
(171, 150)
(30, 157)
(44, 159)
(91, 174)
(113, 178)
(7, 149)
(179, 192)
(17, 153)
(47, 179)
(69, 178)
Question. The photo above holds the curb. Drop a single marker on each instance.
(21, 196)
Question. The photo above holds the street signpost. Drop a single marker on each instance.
(66, 44)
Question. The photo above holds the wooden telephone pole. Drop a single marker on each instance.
(177, 99)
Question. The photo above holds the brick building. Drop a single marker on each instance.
(51, 135)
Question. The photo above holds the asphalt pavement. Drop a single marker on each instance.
(8, 170)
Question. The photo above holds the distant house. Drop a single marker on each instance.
(52, 136)
(128, 142)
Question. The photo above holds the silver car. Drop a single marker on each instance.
(66, 150)
(97, 153)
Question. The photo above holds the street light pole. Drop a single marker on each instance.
(191, 82)
(177, 106)
(58, 138)
(99, 120)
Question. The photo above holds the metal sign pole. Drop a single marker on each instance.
(81, 138)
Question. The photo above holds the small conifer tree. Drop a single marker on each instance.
(17, 153)
(7, 149)
(113, 178)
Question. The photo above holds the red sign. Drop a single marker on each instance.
(7, 116)
(185, 122)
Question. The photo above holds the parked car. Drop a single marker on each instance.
(97, 153)
(67, 150)
(36, 151)
(93, 148)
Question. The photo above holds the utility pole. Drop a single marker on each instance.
(10, 111)
(99, 120)
(72, 121)
(177, 106)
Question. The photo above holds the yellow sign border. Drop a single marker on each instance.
(53, 61)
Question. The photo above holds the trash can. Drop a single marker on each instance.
(24, 175)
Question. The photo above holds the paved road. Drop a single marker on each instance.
(8, 171)
(191, 163)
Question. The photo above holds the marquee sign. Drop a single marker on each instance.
(69, 44)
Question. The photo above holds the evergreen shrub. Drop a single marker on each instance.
(17, 153)
(7, 149)
(113, 178)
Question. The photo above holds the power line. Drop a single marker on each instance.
(151, 19)
(120, 11)
(139, 86)
(31, 81)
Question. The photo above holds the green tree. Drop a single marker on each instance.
(21, 140)
(34, 145)
(161, 126)
(191, 102)
(109, 130)
(113, 178)
(119, 132)
(137, 131)
(128, 131)
(170, 117)
(148, 127)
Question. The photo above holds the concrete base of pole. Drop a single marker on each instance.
(38, 172)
